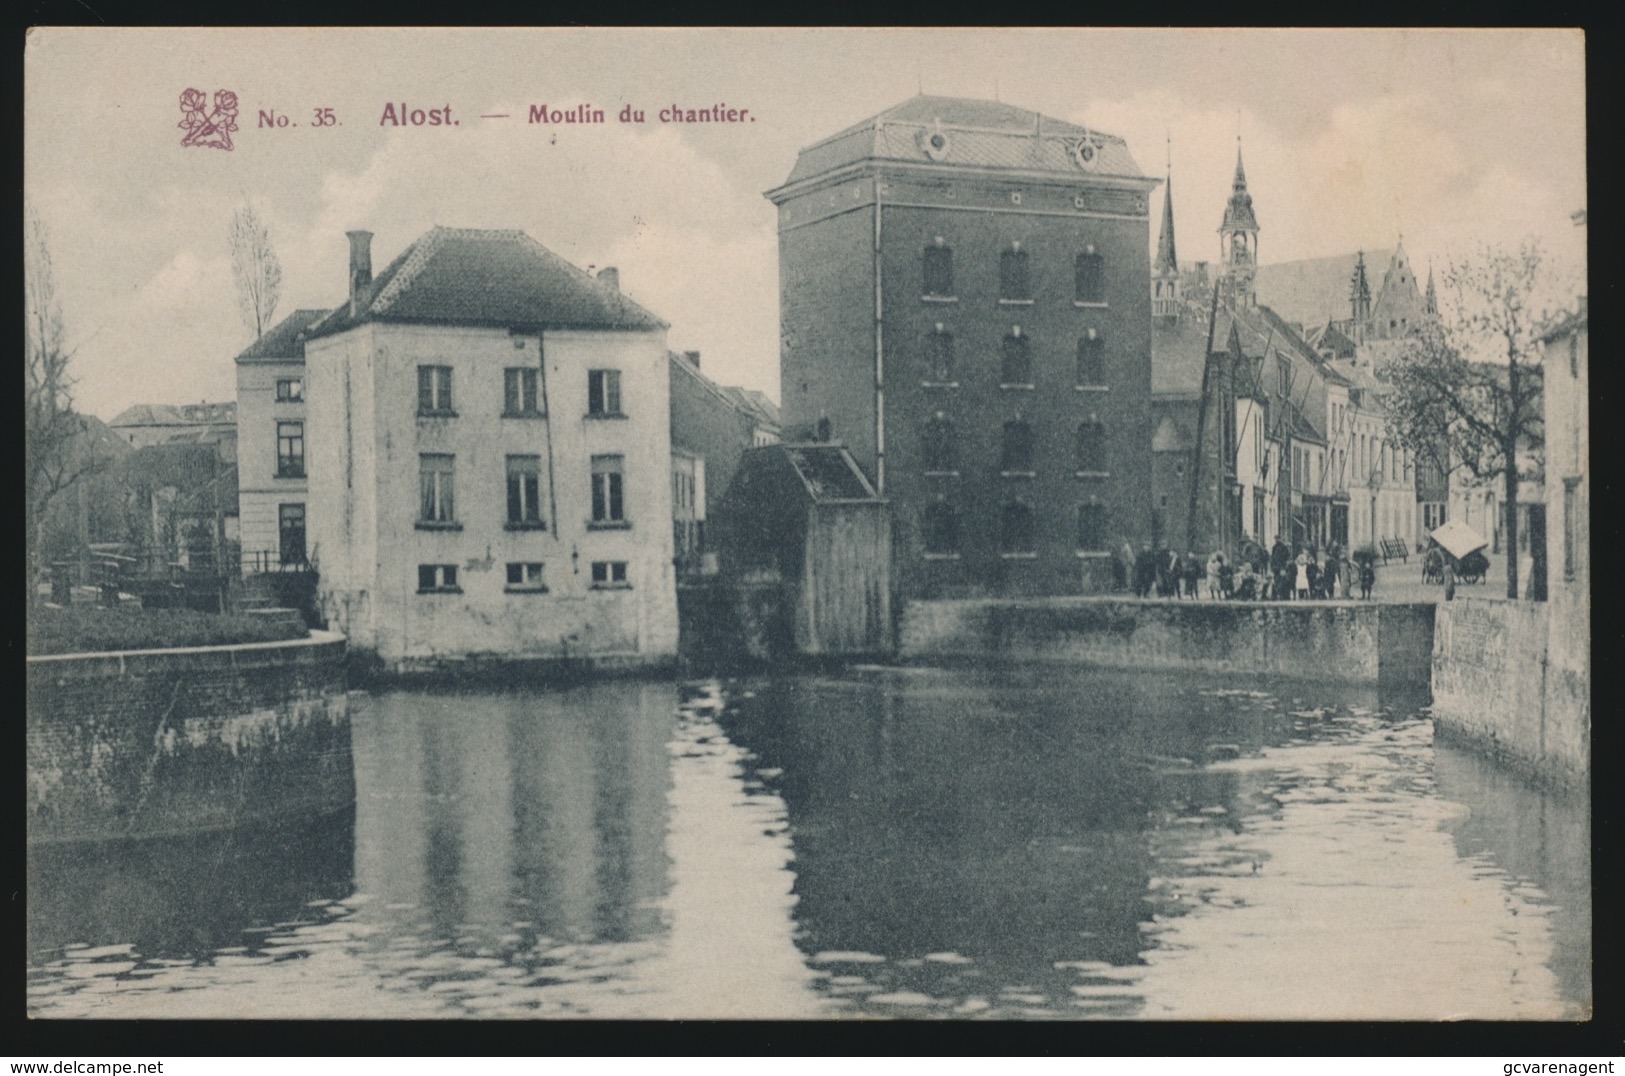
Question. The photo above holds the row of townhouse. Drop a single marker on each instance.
(1269, 420)
(475, 452)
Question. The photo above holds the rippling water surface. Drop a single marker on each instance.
(1019, 843)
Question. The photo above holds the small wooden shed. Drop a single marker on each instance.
(804, 517)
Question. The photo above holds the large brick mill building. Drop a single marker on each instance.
(965, 302)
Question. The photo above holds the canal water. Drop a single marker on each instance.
(1016, 843)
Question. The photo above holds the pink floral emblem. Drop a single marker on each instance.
(205, 126)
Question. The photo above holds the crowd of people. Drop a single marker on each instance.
(1296, 573)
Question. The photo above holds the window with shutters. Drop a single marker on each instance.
(1015, 284)
(519, 392)
(939, 270)
(437, 500)
(604, 394)
(290, 450)
(526, 577)
(939, 357)
(608, 503)
(525, 493)
(1089, 278)
(609, 575)
(940, 449)
(438, 579)
(1015, 361)
(434, 390)
(1091, 371)
(1091, 447)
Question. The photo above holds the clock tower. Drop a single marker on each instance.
(1238, 239)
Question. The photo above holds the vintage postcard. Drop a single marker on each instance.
(807, 523)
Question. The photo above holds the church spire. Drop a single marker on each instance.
(1165, 270)
(1238, 236)
(1432, 296)
(1167, 260)
(1359, 298)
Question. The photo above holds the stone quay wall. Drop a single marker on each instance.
(1352, 642)
(1496, 686)
(156, 743)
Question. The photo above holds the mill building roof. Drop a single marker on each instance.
(969, 133)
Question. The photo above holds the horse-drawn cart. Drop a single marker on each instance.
(1462, 548)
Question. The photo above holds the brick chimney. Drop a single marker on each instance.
(693, 357)
(611, 276)
(360, 267)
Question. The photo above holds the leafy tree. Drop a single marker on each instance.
(1469, 385)
(256, 268)
(57, 447)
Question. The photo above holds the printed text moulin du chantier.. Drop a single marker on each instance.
(403, 114)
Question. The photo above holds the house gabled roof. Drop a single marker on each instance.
(979, 134)
(284, 342)
(757, 402)
(827, 472)
(468, 276)
(148, 415)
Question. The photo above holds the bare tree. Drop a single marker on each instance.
(257, 271)
(57, 452)
(1471, 383)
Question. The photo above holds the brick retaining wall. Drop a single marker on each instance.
(161, 742)
(1355, 642)
(1495, 687)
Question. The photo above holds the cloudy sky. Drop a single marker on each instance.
(1351, 138)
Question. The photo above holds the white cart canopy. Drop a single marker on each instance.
(1458, 539)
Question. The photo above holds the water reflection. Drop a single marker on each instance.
(1014, 843)
(1040, 844)
(180, 899)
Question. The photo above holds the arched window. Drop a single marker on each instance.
(1091, 359)
(940, 527)
(939, 356)
(1091, 445)
(1092, 526)
(1015, 364)
(1016, 528)
(939, 269)
(939, 449)
(1017, 454)
(1014, 283)
(1089, 277)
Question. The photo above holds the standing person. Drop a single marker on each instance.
(1246, 585)
(1328, 575)
(1449, 581)
(1145, 571)
(1214, 563)
(1368, 578)
(1168, 574)
(1280, 560)
(1193, 575)
(1301, 588)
